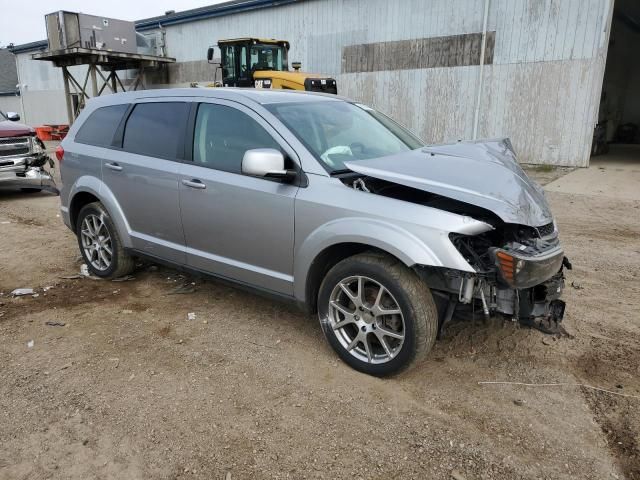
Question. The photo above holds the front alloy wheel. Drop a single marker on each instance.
(366, 319)
(376, 313)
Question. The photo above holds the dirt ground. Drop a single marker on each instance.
(130, 388)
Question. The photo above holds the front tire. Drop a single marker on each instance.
(376, 313)
(100, 243)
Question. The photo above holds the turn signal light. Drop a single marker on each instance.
(506, 263)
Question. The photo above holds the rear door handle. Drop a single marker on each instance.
(194, 183)
(113, 166)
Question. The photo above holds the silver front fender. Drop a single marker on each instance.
(422, 246)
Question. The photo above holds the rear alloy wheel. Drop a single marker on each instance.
(100, 244)
(377, 314)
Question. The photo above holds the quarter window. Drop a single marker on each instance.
(101, 126)
(156, 129)
(223, 135)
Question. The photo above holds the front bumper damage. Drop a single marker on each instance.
(27, 172)
(522, 282)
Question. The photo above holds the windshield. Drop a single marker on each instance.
(337, 132)
(268, 57)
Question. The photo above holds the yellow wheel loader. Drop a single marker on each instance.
(263, 63)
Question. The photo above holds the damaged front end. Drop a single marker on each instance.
(22, 164)
(516, 267)
(518, 273)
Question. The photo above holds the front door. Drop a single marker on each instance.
(236, 226)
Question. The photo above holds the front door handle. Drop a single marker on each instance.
(194, 183)
(113, 166)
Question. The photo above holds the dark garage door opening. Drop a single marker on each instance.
(617, 134)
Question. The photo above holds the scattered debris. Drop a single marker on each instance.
(191, 316)
(577, 286)
(546, 341)
(19, 292)
(46, 289)
(5, 222)
(117, 360)
(519, 402)
(126, 278)
(35, 295)
(132, 376)
(127, 312)
(71, 277)
(55, 324)
(227, 476)
(456, 475)
(65, 366)
(30, 344)
(183, 289)
(84, 270)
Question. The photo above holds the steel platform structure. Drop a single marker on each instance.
(101, 63)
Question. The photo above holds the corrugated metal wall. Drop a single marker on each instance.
(542, 88)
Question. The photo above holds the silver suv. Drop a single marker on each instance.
(319, 200)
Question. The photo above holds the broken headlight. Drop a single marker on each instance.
(522, 271)
(37, 147)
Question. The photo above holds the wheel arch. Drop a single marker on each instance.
(339, 239)
(90, 189)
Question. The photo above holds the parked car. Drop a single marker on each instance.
(22, 157)
(319, 200)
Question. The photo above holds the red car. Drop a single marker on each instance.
(23, 157)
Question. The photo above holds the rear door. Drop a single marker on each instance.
(143, 176)
(236, 226)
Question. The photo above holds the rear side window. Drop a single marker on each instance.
(101, 126)
(156, 129)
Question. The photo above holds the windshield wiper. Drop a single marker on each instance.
(341, 171)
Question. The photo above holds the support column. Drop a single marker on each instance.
(94, 80)
(67, 95)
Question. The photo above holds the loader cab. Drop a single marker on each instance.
(242, 58)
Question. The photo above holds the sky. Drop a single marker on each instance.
(22, 21)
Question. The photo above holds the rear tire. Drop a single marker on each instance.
(100, 243)
(376, 313)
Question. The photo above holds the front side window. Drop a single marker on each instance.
(223, 135)
(156, 129)
(101, 126)
(336, 132)
(268, 57)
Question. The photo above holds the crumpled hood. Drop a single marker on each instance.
(484, 173)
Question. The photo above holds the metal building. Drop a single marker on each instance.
(531, 70)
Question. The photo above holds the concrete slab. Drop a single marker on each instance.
(616, 175)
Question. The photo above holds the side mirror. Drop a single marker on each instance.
(13, 116)
(265, 162)
(296, 65)
(209, 54)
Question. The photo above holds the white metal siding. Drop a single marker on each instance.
(542, 89)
